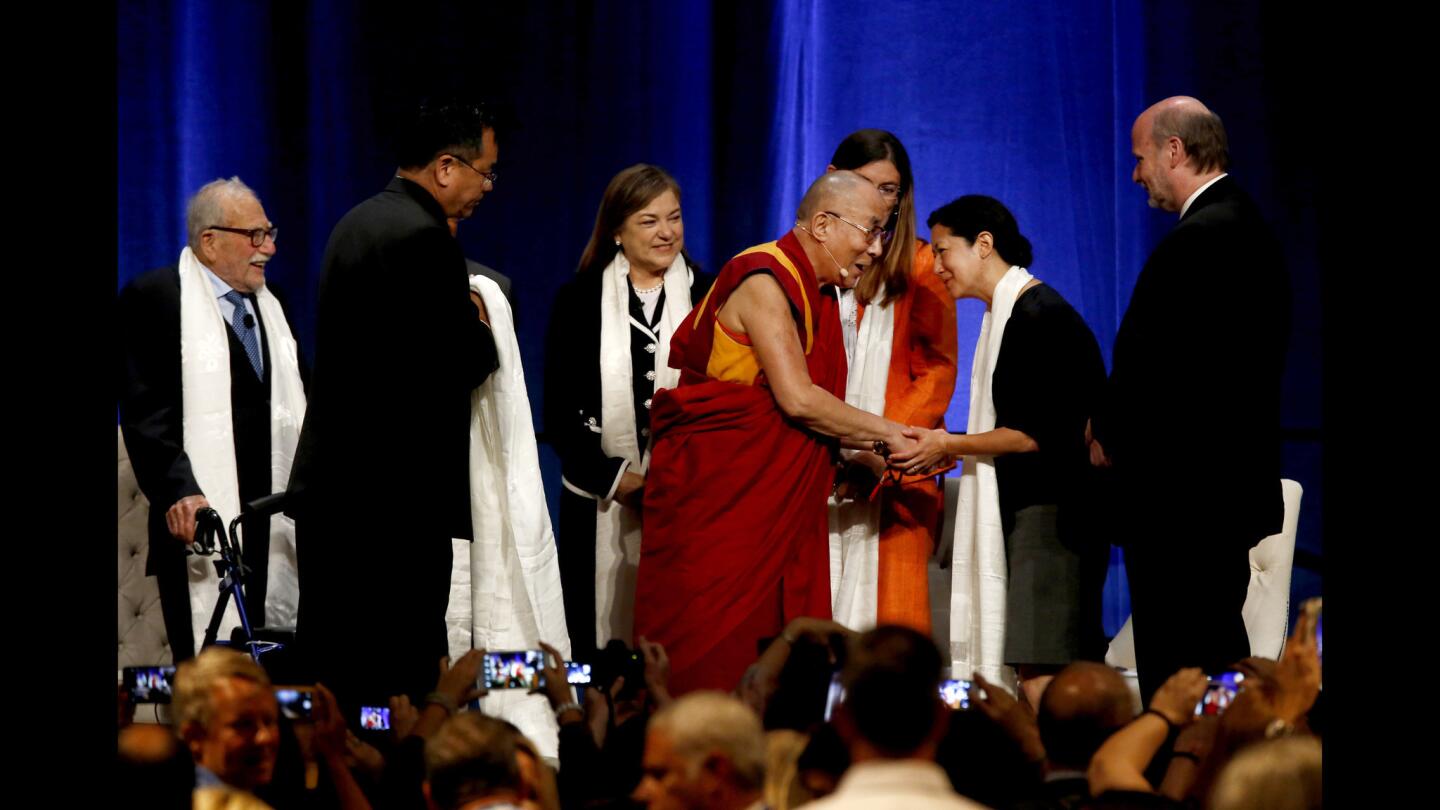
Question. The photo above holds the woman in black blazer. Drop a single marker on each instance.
(606, 355)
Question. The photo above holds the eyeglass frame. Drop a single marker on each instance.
(490, 177)
(871, 234)
(271, 232)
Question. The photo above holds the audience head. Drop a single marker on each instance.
(892, 706)
(982, 760)
(472, 756)
(222, 221)
(1282, 774)
(153, 767)
(1084, 704)
(226, 714)
(705, 750)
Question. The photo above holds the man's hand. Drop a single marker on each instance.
(180, 517)
(461, 681)
(329, 725)
(1010, 714)
(480, 305)
(928, 451)
(1176, 698)
(631, 489)
(1097, 453)
(557, 685)
(403, 716)
(1297, 675)
(657, 671)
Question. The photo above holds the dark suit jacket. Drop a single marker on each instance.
(1191, 412)
(399, 348)
(150, 405)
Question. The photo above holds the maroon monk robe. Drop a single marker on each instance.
(736, 538)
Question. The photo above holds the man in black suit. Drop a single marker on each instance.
(381, 480)
(230, 242)
(1197, 367)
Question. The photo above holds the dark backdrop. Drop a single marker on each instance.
(743, 102)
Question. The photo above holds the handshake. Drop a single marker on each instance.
(908, 451)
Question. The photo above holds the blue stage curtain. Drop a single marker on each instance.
(744, 101)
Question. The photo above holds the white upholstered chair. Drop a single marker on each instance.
(141, 637)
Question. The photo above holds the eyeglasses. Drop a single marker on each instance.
(871, 234)
(489, 176)
(889, 191)
(257, 235)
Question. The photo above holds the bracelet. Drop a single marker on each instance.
(442, 700)
(1158, 714)
(569, 706)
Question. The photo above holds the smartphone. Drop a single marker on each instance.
(1219, 693)
(149, 684)
(833, 697)
(296, 702)
(956, 693)
(577, 673)
(512, 669)
(375, 718)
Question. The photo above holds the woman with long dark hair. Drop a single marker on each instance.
(899, 328)
(606, 355)
(1036, 373)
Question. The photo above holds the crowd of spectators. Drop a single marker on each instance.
(825, 717)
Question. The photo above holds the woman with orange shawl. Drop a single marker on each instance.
(898, 322)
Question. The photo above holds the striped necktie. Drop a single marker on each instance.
(244, 332)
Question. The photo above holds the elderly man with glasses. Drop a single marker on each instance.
(214, 425)
(736, 535)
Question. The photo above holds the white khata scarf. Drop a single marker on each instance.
(505, 586)
(208, 435)
(979, 576)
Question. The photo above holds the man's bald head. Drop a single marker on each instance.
(1083, 705)
(835, 191)
(1199, 129)
(843, 213)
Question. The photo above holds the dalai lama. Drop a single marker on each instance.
(735, 539)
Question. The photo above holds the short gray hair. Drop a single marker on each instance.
(1200, 130)
(195, 681)
(207, 206)
(707, 722)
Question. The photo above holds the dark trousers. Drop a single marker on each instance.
(372, 608)
(1187, 588)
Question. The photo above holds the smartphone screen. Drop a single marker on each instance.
(296, 702)
(374, 718)
(833, 696)
(512, 669)
(1219, 693)
(149, 684)
(956, 693)
(577, 673)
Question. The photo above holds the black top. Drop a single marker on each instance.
(399, 347)
(1045, 380)
(572, 376)
(1197, 366)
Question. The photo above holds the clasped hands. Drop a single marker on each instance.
(920, 451)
